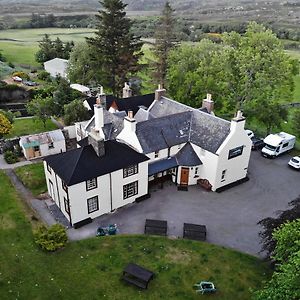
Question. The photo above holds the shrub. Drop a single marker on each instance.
(10, 157)
(10, 64)
(43, 75)
(22, 75)
(51, 239)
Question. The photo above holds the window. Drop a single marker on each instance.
(285, 145)
(49, 168)
(130, 190)
(65, 187)
(235, 152)
(156, 153)
(223, 175)
(67, 205)
(131, 170)
(91, 184)
(36, 148)
(92, 204)
(196, 171)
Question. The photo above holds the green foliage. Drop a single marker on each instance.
(5, 125)
(165, 40)
(284, 284)
(44, 75)
(116, 49)
(51, 239)
(242, 72)
(8, 114)
(296, 121)
(10, 157)
(22, 75)
(75, 112)
(41, 108)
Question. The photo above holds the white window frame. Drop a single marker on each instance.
(131, 170)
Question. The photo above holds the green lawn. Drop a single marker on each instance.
(20, 45)
(296, 97)
(91, 269)
(29, 126)
(33, 178)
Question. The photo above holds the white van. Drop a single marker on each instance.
(277, 144)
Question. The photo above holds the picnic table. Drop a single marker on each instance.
(137, 275)
(158, 227)
(194, 232)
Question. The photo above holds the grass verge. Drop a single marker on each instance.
(91, 269)
(29, 126)
(33, 177)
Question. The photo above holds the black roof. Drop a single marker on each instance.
(187, 156)
(125, 104)
(83, 164)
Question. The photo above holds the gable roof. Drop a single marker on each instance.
(187, 156)
(83, 164)
(57, 63)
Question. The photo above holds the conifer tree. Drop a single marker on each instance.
(115, 46)
(165, 40)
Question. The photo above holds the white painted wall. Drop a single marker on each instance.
(59, 146)
(71, 131)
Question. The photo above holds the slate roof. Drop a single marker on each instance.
(162, 165)
(176, 123)
(83, 164)
(187, 156)
(125, 104)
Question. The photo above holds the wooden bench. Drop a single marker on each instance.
(194, 232)
(157, 227)
(137, 275)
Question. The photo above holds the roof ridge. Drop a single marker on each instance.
(76, 163)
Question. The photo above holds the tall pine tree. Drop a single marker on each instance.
(165, 40)
(116, 48)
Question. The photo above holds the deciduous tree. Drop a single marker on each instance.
(5, 125)
(75, 112)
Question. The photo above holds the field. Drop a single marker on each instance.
(29, 126)
(20, 45)
(32, 176)
(91, 269)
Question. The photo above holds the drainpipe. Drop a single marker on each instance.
(110, 188)
(57, 191)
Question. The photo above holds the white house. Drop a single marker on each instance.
(43, 144)
(56, 67)
(120, 153)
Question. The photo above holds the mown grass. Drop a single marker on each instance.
(91, 269)
(29, 126)
(33, 177)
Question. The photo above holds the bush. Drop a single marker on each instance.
(22, 75)
(10, 157)
(51, 239)
(43, 75)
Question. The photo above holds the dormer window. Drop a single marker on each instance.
(91, 184)
(131, 170)
(156, 153)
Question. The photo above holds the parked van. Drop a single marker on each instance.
(295, 162)
(276, 144)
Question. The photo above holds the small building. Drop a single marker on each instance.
(81, 88)
(43, 144)
(56, 67)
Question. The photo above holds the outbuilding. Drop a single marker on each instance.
(56, 67)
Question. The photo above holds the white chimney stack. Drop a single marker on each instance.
(99, 119)
(101, 97)
(238, 122)
(208, 103)
(160, 92)
(127, 91)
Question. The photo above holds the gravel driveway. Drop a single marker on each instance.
(231, 216)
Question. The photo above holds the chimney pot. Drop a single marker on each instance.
(160, 92)
(130, 114)
(208, 103)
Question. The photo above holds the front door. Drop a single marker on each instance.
(184, 176)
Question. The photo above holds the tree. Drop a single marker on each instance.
(63, 95)
(165, 40)
(115, 46)
(58, 48)
(81, 69)
(284, 284)
(41, 108)
(75, 112)
(243, 70)
(296, 121)
(5, 125)
(46, 51)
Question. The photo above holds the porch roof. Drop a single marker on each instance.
(162, 165)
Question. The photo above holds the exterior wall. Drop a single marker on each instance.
(54, 71)
(163, 153)
(109, 191)
(71, 131)
(79, 130)
(59, 146)
(237, 167)
(194, 174)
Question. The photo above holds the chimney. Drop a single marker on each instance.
(101, 97)
(130, 122)
(208, 103)
(99, 117)
(160, 92)
(97, 142)
(238, 122)
(127, 92)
